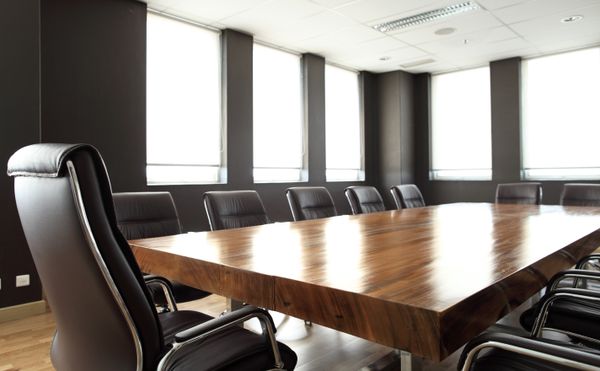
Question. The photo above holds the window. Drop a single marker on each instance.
(183, 134)
(461, 140)
(561, 120)
(278, 121)
(343, 125)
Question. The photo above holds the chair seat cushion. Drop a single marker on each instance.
(233, 349)
(174, 322)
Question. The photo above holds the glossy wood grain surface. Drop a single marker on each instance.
(424, 280)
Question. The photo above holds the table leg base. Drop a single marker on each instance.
(396, 360)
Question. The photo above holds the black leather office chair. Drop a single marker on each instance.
(575, 194)
(310, 203)
(234, 209)
(407, 196)
(105, 318)
(570, 310)
(576, 315)
(152, 214)
(519, 193)
(507, 352)
(364, 199)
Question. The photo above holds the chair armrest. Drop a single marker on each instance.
(529, 347)
(166, 286)
(231, 318)
(581, 263)
(218, 325)
(572, 273)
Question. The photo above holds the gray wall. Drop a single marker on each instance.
(19, 120)
(93, 90)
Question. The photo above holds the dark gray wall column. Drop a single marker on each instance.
(505, 77)
(370, 117)
(19, 116)
(396, 131)
(314, 114)
(237, 105)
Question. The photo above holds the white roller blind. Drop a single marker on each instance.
(278, 121)
(184, 143)
(461, 142)
(343, 125)
(561, 116)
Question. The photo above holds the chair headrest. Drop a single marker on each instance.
(42, 159)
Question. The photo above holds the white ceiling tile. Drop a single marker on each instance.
(538, 8)
(497, 4)
(463, 23)
(368, 10)
(213, 10)
(340, 30)
(556, 46)
(159, 5)
(332, 4)
(396, 57)
(316, 25)
(549, 28)
(344, 39)
(475, 40)
(268, 19)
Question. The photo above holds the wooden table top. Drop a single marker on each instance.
(423, 280)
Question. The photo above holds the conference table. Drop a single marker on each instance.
(422, 280)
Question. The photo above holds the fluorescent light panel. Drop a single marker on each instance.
(426, 17)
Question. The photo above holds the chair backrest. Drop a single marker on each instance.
(407, 196)
(105, 319)
(310, 203)
(364, 199)
(146, 214)
(519, 193)
(234, 209)
(575, 194)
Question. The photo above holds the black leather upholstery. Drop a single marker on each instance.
(234, 209)
(105, 317)
(146, 214)
(573, 315)
(575, 194)
(364, 199)
(519, 193)
(310, 203)
(152, 214)
(407, 196)
(498, 359)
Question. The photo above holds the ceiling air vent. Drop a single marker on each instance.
(426, 17)
(417, 63)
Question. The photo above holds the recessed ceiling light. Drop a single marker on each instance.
(573, 18)
(445, 31)
(426, 17)
(386, 58)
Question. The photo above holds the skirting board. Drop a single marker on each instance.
(22, 310)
